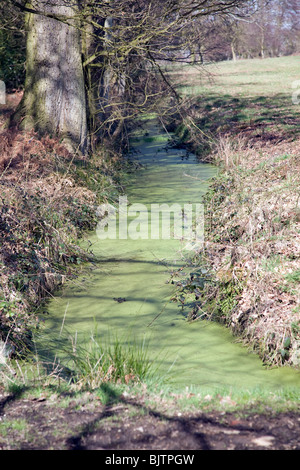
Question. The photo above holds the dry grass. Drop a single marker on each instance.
(47, 200)
(253, 240)
(244, 113)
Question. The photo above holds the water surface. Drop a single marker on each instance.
(199, 354)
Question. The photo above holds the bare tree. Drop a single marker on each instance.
(92, 65)
(271, 30)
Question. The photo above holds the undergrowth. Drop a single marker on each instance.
(121, 360)
(248, 127)
(251, 255)
(48, 201)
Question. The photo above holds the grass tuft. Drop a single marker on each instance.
(116, 361)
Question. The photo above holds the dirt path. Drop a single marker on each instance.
(57, 423)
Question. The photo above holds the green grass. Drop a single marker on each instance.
(293, 277)
(121, 360)
(257, 400)
(254, 94)
(258, 77)
(19, 425)
(95, 361)
(155, 396)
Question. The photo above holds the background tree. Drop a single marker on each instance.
(12, 46)
(133, 40)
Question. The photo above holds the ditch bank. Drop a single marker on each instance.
(130, 292)
(48, 201)
(252, 246)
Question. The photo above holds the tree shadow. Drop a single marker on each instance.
(191, 430)
(267, 118)
(76, 442)
(16, 392)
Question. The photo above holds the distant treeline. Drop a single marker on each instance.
(246, 29)
(272, 29)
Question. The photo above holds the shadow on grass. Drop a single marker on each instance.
(269, 118)
(148, 428)
(92, 429)
(16, 392)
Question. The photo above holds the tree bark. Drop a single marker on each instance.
(54, 99)
(232, 45)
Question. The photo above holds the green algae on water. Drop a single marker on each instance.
(127, 288)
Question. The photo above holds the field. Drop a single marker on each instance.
(254, 97)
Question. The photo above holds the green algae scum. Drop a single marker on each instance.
(127, 293)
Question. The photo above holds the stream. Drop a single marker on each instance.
(126, 292)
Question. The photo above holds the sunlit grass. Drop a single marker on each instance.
(254, 94)
(155, 395)
(115, 361)
(245, 77)
(19, 425)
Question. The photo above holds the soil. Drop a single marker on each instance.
(130, 423)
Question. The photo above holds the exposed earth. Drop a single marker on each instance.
(54, 422)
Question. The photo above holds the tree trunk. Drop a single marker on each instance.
(234, 58)
(54, 99)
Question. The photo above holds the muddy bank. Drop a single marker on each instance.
(138, 422)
